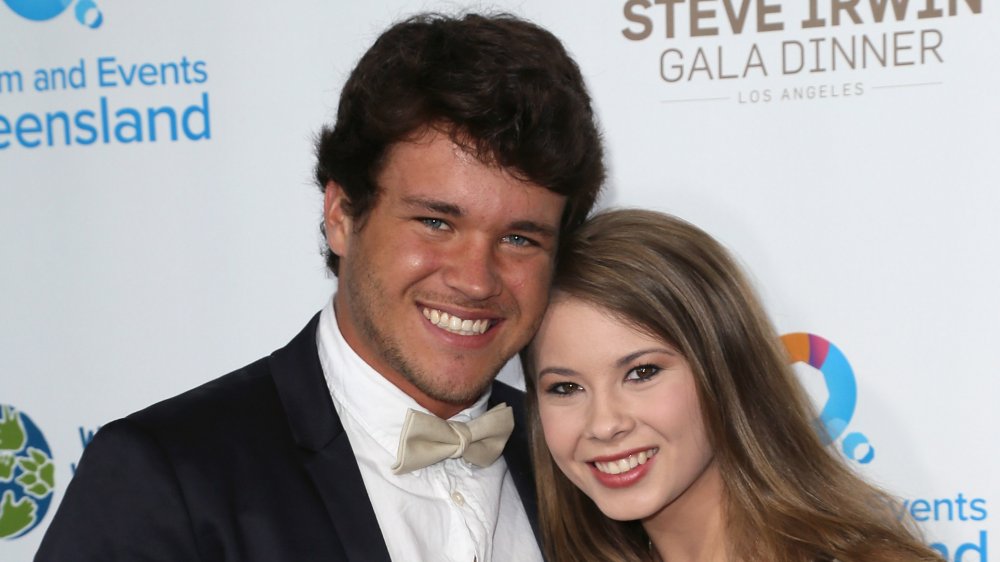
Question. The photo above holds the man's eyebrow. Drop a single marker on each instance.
(434, 205)
(533, 227)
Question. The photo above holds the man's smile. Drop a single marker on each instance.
(456, 325)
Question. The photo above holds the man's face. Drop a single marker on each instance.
(447, 277)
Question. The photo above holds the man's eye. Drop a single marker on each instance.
(518, 240)
(434, 224)
(642, 373)
(563, 388)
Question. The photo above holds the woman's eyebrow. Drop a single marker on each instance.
(564, 371)
(637, 354)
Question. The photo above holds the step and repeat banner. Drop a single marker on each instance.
(159, 226)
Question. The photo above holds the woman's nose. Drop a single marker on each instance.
(608, 417)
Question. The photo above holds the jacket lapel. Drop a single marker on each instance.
(326, 450)
(516, 452)
(329, 459)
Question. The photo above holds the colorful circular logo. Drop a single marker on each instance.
(842, 387)
(27, 475)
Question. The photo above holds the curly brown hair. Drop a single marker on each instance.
(503, 88)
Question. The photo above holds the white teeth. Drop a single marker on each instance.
(455, 324)
(626, 464)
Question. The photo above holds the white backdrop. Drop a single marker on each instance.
(862, 200)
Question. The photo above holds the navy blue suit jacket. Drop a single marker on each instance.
(253, 466)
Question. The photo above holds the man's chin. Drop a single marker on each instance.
(459, 398)
(461, 386)
(455, 392)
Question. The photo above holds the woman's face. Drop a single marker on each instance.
(620, 413)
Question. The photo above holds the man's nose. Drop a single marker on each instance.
(473, 270)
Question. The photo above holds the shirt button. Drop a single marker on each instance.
(458, 499)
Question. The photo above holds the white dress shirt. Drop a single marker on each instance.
(451, 511)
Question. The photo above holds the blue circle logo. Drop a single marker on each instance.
(86, 11)
(27, 475)
(38, 10)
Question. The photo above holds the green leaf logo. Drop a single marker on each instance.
(27, 474)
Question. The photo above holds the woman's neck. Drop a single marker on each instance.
(692, 527)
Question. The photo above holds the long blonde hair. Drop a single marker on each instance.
(788, 498)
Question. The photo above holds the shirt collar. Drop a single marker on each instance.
(378, 406)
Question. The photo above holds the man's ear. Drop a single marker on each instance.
(337, 221)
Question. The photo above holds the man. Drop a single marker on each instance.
(463, 148)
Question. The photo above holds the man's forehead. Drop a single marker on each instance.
(464, 146)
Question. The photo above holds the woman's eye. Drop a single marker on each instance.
(642, 373)
(563, 388)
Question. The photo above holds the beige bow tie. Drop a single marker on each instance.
(427, 439)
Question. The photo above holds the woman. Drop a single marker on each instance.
(677, 431)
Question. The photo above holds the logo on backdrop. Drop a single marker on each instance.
(167, 109)
(963, 508)
(103, 99)
(86, 11)
(27, 475)
(760, 52)
(842, 389)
